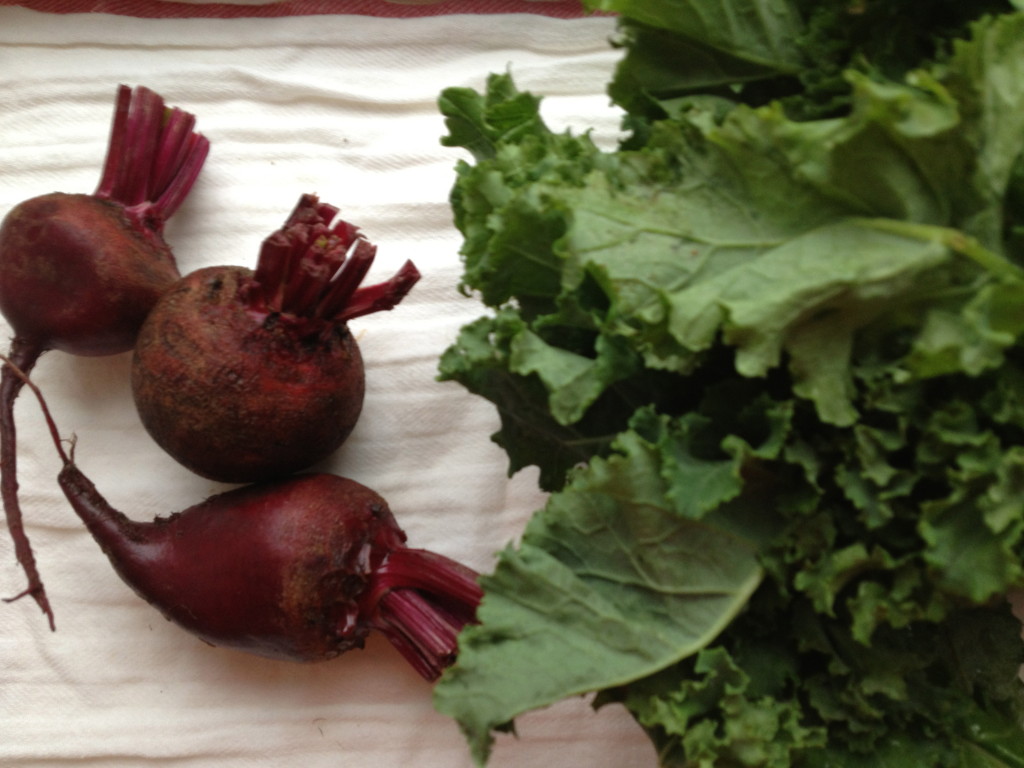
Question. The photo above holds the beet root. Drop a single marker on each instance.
(79, 273)
(301, 569)
(236, 399)
(247, 375)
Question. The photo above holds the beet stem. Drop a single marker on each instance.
(423, 600)
(424, 636)
(309, 276)
(112, 163)
(268, 276)
(338, 293)
(185, 170)
(312, 268)
(309, 210)
(153, 156)
(144, 125)
(382, 296)
(431, 572)
(23, 356)
(173, 150)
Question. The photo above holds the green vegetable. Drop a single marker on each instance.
(768, 358)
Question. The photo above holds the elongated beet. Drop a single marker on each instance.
(299, 569)
(243, 375)
(80, 272)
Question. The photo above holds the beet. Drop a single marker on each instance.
(299, 569)
(79, 272)
(244, 375)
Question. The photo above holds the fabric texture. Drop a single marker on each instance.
(343, 106)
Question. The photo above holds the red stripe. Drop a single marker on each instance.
(161, 9)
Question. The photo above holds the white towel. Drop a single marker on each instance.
(342, 106)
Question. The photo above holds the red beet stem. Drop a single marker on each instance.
(423, 635)
(153, 156)
(311, 268)
(421, 600)
(23, 356)
(337, 295)
(309, 210)
(430, 572)
(382, 296)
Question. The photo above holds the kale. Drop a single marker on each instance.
(770, 366)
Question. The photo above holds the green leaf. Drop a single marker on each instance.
(987, 74)
(481, 123)
(795, 300)
(715, 718)
(573, 381)
(974, 539)
(758, 31)
(480, 360)
(609, 584)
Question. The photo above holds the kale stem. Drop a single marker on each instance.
(957, 241)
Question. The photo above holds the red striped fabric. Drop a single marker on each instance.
(164, 9)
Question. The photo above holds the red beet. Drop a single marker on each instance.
(245, 375)
(80, 272)
(299, 569)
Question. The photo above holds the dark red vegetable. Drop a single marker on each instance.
(79, 272)
(300, 569)
(245, 375)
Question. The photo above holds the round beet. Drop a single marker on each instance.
(245, 375)
(77, 274)
(236, 396)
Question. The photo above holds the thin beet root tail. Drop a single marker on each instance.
(16, 367)
(23, 356)
(420, 601)
(108, 526)
(153, 157)
(312, 270)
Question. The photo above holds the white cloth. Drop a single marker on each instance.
(344, 107)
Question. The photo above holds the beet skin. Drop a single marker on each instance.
(238, 396)
(78, 275)
(245, 569)
(249, 375)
